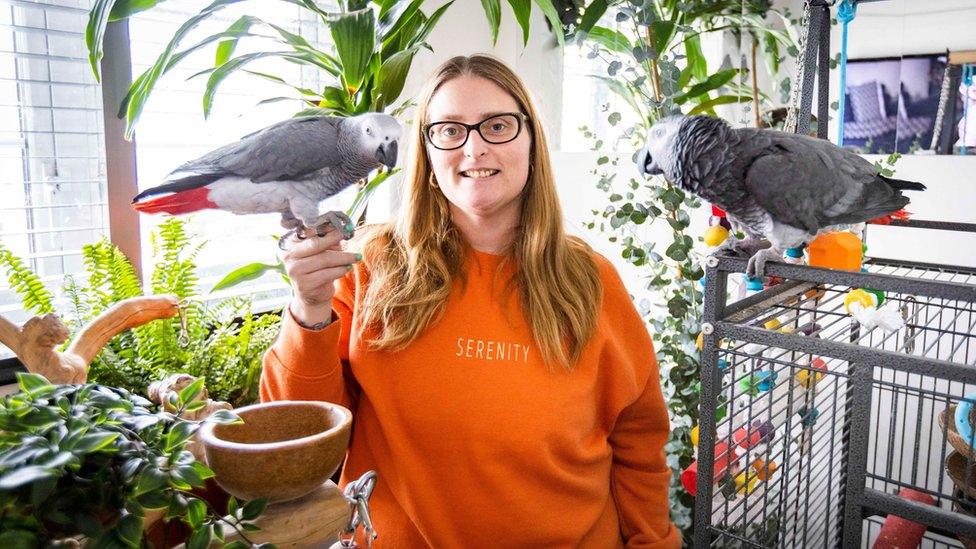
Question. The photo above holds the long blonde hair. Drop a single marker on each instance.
(414, 262)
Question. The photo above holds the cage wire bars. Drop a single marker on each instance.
(810, 424)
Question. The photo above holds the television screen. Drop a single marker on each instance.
(891, 104)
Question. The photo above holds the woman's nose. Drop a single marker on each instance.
(476, 146)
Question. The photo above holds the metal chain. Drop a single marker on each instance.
(184, 338)
(357, 495)
(943, 101)
(793, 109)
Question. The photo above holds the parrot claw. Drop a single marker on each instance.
(756, 267)
(337, 220)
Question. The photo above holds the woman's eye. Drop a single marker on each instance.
(449, 131)
(498, 127)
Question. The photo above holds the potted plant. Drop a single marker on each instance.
(96, 463)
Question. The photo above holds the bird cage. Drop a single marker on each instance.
(815, 430)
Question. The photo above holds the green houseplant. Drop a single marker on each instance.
(655, 63)
(224, 340)
(92, 460)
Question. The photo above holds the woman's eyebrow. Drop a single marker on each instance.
(482, 116)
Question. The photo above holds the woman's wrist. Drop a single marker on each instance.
(311, 317)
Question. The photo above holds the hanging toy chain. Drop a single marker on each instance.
(845, 14)
(943, 102)
(357, 494)
(793, 109)
(184, 338)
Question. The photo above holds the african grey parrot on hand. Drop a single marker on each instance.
(288, 167)
(782, 186)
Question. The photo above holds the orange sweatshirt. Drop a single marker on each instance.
(475, 442)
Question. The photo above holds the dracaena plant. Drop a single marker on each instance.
(91, 460)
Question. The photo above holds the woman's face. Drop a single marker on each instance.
(479, 179)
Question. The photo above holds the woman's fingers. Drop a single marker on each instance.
(326, 259)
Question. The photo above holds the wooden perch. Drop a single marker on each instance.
(34, 343)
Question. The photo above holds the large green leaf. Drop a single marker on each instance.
(247, 272)
(428, 26)
(142, 87)
(610, 39)
(391, 22)
(354, 37)
(95, 33)
(493, 12)
(522, 10)
(553, 16)
(102, 12)
(713, 82)
(593, 13)
(392, 75)
(219, 74)
(663, 33)
(709, 104)
(226, 47)
(126, 8)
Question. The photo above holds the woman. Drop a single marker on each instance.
(503, 386)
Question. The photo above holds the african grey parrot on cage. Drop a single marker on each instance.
(781, 186)
(288, 168)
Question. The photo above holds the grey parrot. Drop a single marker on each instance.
(782, 186)
(288, 168)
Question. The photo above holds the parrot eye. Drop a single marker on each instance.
(369, 131)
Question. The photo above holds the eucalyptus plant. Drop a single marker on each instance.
(654, 61)
(91, 460)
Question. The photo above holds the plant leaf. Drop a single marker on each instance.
(593, 13)
(393, 74)
(251, 271)
(553, 16)
(226, 47)
(93, 442)
(610, 39)
(493, 12)
(354, 37)
(29, 382)
(25, 475)
(522, 10)
(190, 392)
(362, 197)
(720, 100)
(714, 81)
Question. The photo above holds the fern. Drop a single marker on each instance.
(36, 298)
(225, 350)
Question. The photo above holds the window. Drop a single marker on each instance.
(172, 129)
(52, 173)
(53, 189)
(587, 99)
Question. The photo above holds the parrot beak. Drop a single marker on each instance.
(386, 154)
(646, 165)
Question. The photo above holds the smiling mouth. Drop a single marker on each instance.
(478, 174)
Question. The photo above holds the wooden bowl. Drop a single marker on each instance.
(283, 450)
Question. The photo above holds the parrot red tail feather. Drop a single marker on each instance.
(177, 203)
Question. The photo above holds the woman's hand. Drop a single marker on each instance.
(313, 265)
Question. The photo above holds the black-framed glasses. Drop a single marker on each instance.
(497, 129)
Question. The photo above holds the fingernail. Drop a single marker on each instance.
(349, 228)
(348, 268)
(359, 257)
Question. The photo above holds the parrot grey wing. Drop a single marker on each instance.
(287, 150)
(811, 184)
